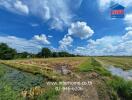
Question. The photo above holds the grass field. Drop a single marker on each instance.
(122, 62)
(105, 85)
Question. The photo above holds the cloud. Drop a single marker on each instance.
(49, 36)
(128, 28)
(41, 38)
(105, 4)
(18, 5)
(57, 13)
(15, 6)
(127, 36)
(34, 24)
(81, 30)
(77, 29)
(108, 45)
(22, 44)
(65, 42)
(128, 19)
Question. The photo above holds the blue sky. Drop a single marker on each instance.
(77, 26)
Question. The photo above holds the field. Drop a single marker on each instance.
(28, 78)
(122, 62)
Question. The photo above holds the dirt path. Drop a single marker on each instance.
(87, 92)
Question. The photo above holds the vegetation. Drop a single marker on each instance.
(51, 94)
(122, 62)
(117, 87)
(120, 88)
(92, 65)
(6, 52)
(45, 53)
(7, 93)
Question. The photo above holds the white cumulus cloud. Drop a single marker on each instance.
(22, 44)
(128, 28)
(128, 19)
(77, 29)
(16, 6)
(41, 38)
(108, 45)
(81, 30)
(65, 42)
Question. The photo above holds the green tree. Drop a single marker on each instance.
(55, 54)
(25, 55)
(45, 52)
(64, 54)
(6, 52)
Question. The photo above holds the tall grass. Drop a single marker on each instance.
(120, 88)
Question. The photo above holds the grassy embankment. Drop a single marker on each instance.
(117, 87)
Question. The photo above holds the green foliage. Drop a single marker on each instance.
(93, 65)
(7, 93)
(50, 94)
(25, 55)
(86, 66)
(55, 54)
(118, 87)
(6, 52)
(122, 87)
(64, 54)
(45, 52)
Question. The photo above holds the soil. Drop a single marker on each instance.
(97, 90)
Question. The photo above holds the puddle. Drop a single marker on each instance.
(120, 72)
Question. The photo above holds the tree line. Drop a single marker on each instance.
(7, 53)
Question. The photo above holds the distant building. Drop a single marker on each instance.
(117, 11)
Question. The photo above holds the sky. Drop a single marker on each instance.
(78, 26)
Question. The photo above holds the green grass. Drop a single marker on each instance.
(7, 93)
(120, 88)
(50, 94)
(92, 65)
(8, 85)
(117, 87)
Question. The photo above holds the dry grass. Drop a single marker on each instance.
(122, 62)
(45, 67)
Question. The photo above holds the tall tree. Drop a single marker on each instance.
(6, 52)
(45, 52)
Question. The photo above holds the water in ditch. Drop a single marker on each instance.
(127, 74)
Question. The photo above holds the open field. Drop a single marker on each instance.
(122, 62)
(34, 73)
(46, 67)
